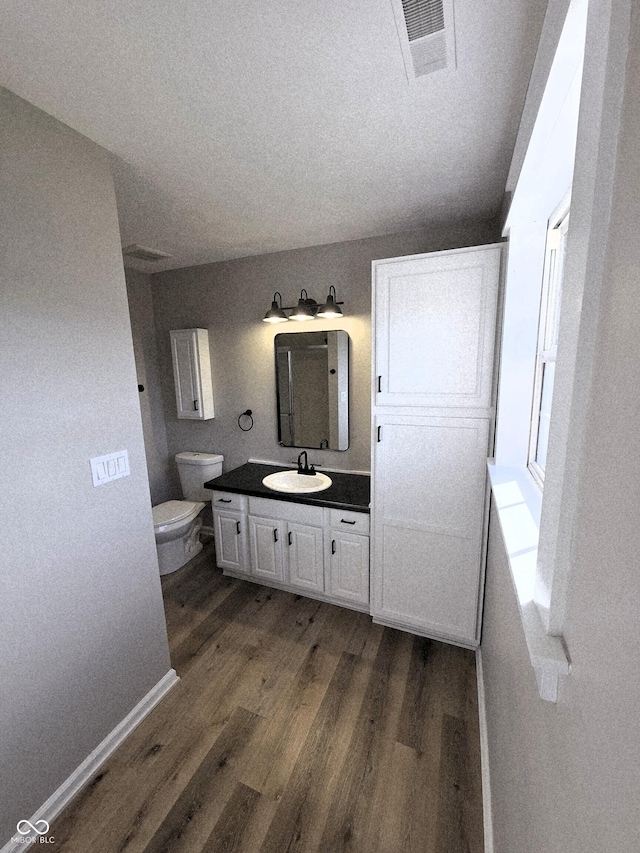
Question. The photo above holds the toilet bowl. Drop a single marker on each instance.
(177, 531)
(175, 523)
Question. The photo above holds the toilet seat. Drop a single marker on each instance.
(171, 512)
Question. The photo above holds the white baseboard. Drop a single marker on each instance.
(83, 773)
(484, 758)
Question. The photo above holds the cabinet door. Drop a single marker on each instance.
(428, 514)
(305, 557)
(348, 558)
(265, 540)
(434, 325)
(231, 541)
(192, 373)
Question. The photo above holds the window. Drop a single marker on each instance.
(547, 346)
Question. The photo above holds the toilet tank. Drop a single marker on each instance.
(195, 469)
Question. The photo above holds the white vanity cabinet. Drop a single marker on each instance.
(192, 373)
(347, 557)
(265, 545)
(231, 531)
(286, 543)
(313, 550)
(305, 560)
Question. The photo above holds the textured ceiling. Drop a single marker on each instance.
(241, 127)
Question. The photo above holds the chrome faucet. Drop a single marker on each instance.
(306, 468)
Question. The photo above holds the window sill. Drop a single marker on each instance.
(518, 501)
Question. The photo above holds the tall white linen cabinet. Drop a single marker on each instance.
(433, 335)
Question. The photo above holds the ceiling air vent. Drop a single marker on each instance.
(142, 253)
(425, 29)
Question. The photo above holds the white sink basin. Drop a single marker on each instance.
(296, 484)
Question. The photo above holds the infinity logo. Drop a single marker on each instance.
(41, 827)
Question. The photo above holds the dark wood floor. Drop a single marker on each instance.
(296, 726)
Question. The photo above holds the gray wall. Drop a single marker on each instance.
(82, 627)
(230, 300)
(143, 330)
(566, 778)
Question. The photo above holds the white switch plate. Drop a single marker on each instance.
(110, 467)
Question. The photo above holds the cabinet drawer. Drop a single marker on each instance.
(350, 522)
(302, 513)
(228, 500)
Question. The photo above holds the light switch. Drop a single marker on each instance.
(110, 467)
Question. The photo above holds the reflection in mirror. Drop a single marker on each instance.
(312, 389)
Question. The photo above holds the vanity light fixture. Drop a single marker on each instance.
(331, 308)
(275, 314)
(306, 309)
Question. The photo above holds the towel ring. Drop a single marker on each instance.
(247, 414)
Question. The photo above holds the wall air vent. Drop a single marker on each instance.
(142, 253)
(425, 29)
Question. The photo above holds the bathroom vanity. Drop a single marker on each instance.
(433, 407)
(312, 544)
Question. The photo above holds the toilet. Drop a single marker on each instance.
(176, 523)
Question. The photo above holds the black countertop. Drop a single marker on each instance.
(347, 491)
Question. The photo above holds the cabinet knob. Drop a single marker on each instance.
(238, 528)
(333, 546)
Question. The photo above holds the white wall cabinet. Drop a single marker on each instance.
(434, 329)
(428, 523)
(320, 552)
(434, 322)
(192, 373)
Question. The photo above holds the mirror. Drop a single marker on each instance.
(312, 389)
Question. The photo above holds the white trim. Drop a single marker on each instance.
(487, 811)
(554, 19)
(83, 773)
(585, 280)
(517, 504)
